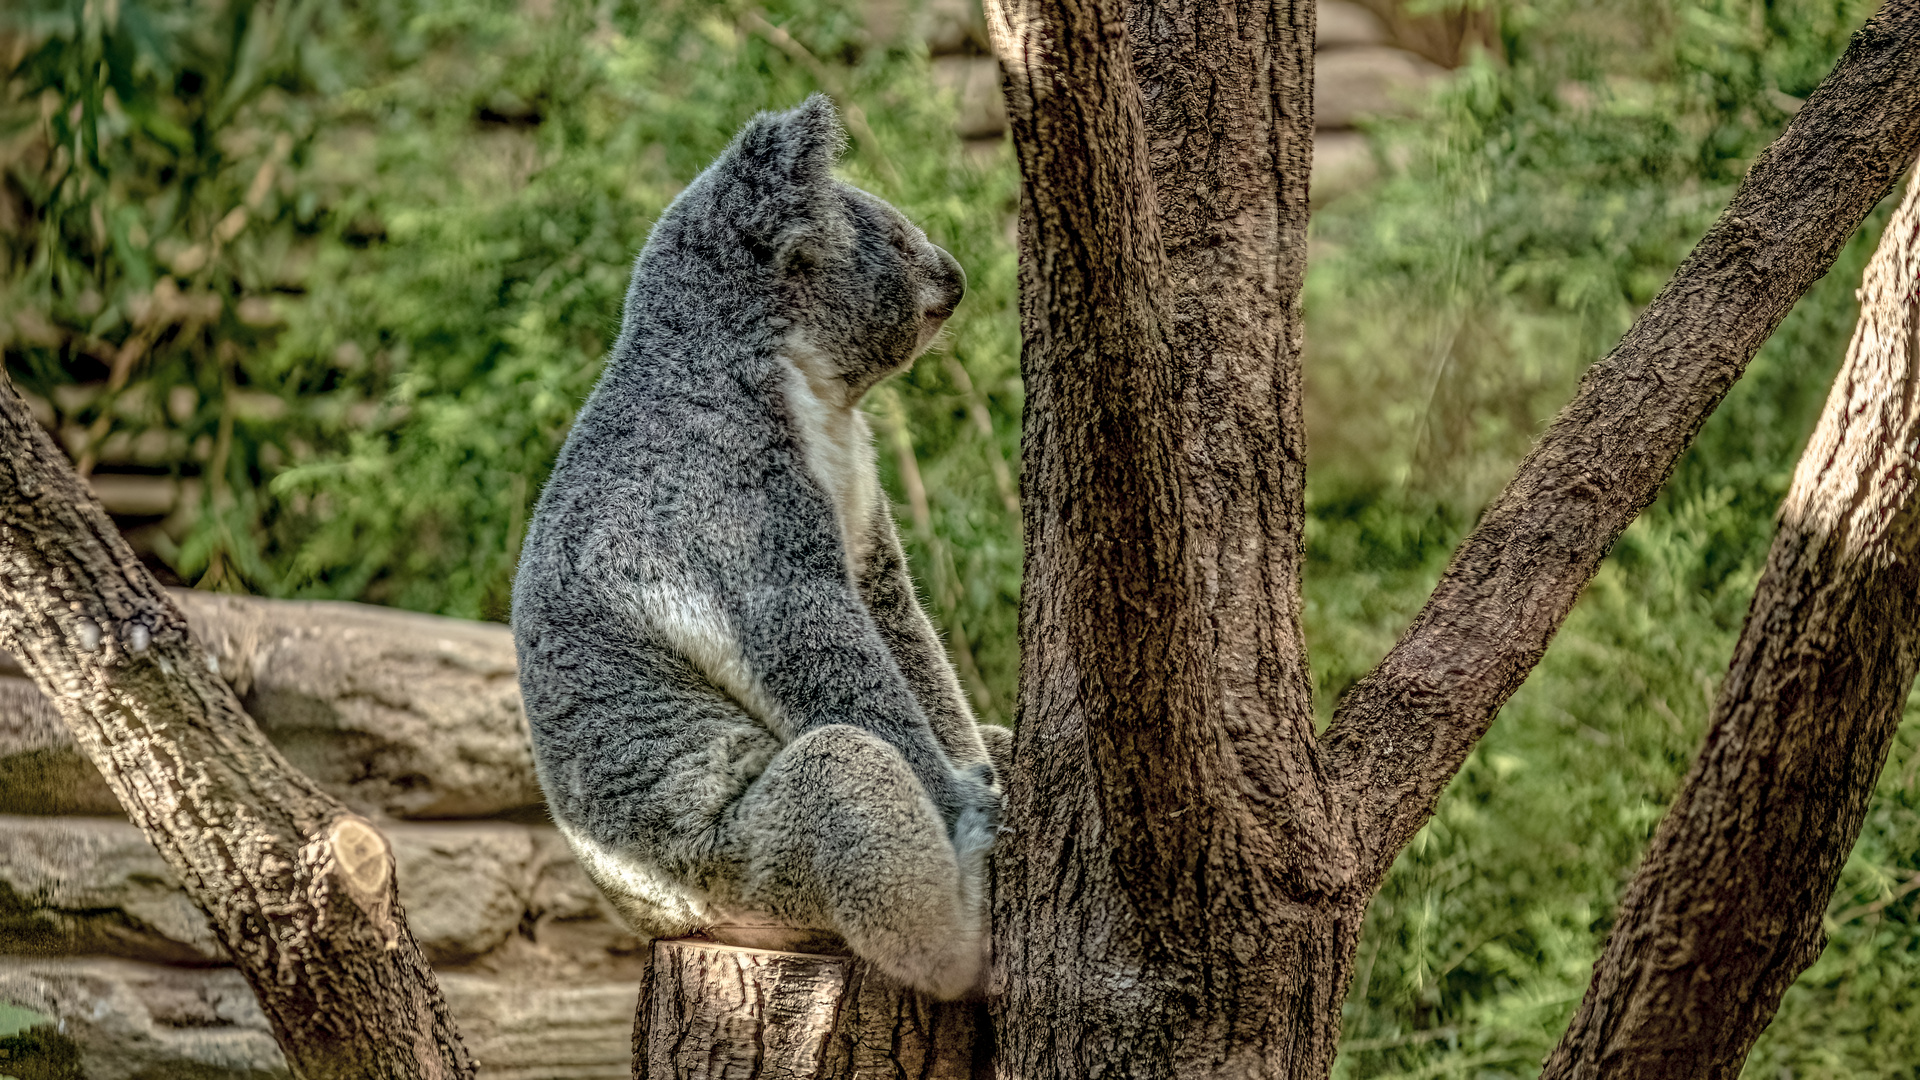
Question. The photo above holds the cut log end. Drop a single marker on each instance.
(364, 861)
(363, 871)
(776, 937)
(714, 1009)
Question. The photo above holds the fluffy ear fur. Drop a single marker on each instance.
(775, 182)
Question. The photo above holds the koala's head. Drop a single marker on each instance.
(860, 289)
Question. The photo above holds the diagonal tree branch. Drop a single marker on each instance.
(299, 890)
(1405, 729)
(1725, 911)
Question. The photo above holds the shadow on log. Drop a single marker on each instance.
(709, 1010)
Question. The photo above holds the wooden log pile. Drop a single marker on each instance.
(414, 721)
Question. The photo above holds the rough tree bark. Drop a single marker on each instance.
(1189, 869)
(1167, 899)
(1726, 909)
(709, 1009)
(299, 889)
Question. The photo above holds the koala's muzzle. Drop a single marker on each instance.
(946, 284)
(942, 284)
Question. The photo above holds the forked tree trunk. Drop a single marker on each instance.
(1190, 866)
(299, 890)
(1726, 909)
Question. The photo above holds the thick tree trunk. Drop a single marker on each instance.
(1175, 896)
(1189, 866)
(1726, 909)
(300, 890)
(713, 1010)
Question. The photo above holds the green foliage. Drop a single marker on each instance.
(1541, 203)
(32, 1047)
(347, 270)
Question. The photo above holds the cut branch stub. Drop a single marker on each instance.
(712, 1010)
(299, 890)
(1405, 729)
(1725, 911)
(362, 867)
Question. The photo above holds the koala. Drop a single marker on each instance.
(741, 715)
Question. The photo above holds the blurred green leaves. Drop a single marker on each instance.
(343, 272)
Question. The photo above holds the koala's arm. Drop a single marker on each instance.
(909, 634)
(817, 653)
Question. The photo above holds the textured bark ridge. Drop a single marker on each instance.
(1190, 866)
(298, 889)
(713, 1010)
(1176, 896)
(1726, 909)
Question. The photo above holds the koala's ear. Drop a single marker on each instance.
(776, 180)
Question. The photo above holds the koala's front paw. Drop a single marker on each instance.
(983, 773)
(981, 809)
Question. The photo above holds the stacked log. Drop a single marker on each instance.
(412, 720)
(1360, 71)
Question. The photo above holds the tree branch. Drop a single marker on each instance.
(1727, 908)
(1096, 364)
(823, 76)
(299, 889)
(1404, 730)
(1229, 124)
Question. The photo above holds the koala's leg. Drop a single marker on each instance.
(838, 833)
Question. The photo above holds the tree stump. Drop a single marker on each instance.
(710, 1010)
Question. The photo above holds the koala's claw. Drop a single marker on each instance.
(985, 773)
(975, 830)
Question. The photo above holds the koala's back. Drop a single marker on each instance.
(663, 486)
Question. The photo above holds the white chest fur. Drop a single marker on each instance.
(837, 447)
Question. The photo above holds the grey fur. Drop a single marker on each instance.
(739, 709)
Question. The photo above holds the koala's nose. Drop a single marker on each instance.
(949, 284)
